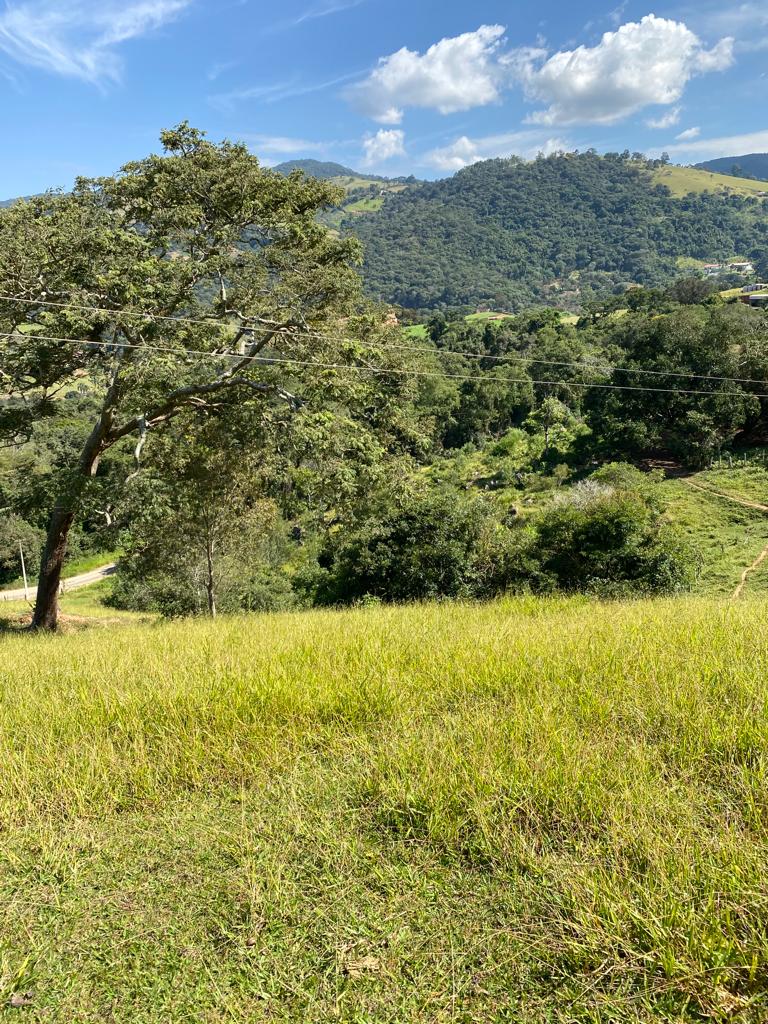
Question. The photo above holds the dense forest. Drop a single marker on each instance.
(560, 230)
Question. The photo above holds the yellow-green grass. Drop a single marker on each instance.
(728, 537)
(86, 606)
(681, 181)
(416, 331)
(532, 811)
(487, 315)
(371, 204)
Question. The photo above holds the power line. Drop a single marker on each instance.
(376, 370)
(584, 364)
(125, 312)
(285, 332)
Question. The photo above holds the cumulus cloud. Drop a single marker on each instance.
(384, 145)
(668, 120)
(640, 64)
(78, 38)
(455, 74)
(688, 134)
(465, 151)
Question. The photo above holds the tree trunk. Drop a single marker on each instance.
(210, 586)
(46, 614)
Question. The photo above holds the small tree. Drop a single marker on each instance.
(190, 281)
(15, 531)
(553, 418)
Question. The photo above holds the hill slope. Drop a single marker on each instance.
(683, 181)
(365, 193)
(508, 233)
(323, 169)
(753, 164)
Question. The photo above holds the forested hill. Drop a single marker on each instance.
(325, 170)
(751, 165)
(558, 229)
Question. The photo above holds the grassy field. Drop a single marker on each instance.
(683, 180)
(87, 604)
(371, 204)
(532, 811)
(728, 536)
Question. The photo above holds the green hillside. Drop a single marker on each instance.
(753, 165)
(325, 170)
(682, 181)
(364, 192)
(557, 230)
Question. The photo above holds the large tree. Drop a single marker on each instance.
(190, 281)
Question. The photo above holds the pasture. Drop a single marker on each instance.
(537, 810)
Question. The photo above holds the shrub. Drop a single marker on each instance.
(422, 544)
(611, 538)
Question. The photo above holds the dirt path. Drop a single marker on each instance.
(729, 497)
(747, 504)
(747, 572)
(73, 583)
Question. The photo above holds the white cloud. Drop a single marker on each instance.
(465, 151)
(617, 13)
(688, 135)
(283, 145)
(322, 9)
(455, 74)
(78, 38)
(668, 120)
(384, 145)
(326, 8)
(274, 92)
(215, 71)
(640, 64)
(738, 19)
(461, 153)
(724, 145)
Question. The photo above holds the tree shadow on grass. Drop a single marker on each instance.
(14, 624)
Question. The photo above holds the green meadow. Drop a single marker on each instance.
(536, 810)
(682, 181)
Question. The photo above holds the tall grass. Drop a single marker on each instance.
(536, 810)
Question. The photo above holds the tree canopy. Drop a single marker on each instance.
(190, 282)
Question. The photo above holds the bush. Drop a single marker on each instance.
(421, 545)
(607, 535)
(611, 538)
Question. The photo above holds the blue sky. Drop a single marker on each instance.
(395, 86)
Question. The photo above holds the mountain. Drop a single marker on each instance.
(558, 230)
(364, 193)
(318, 169)
(751, 165)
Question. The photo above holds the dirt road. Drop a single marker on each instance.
(73, 583)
